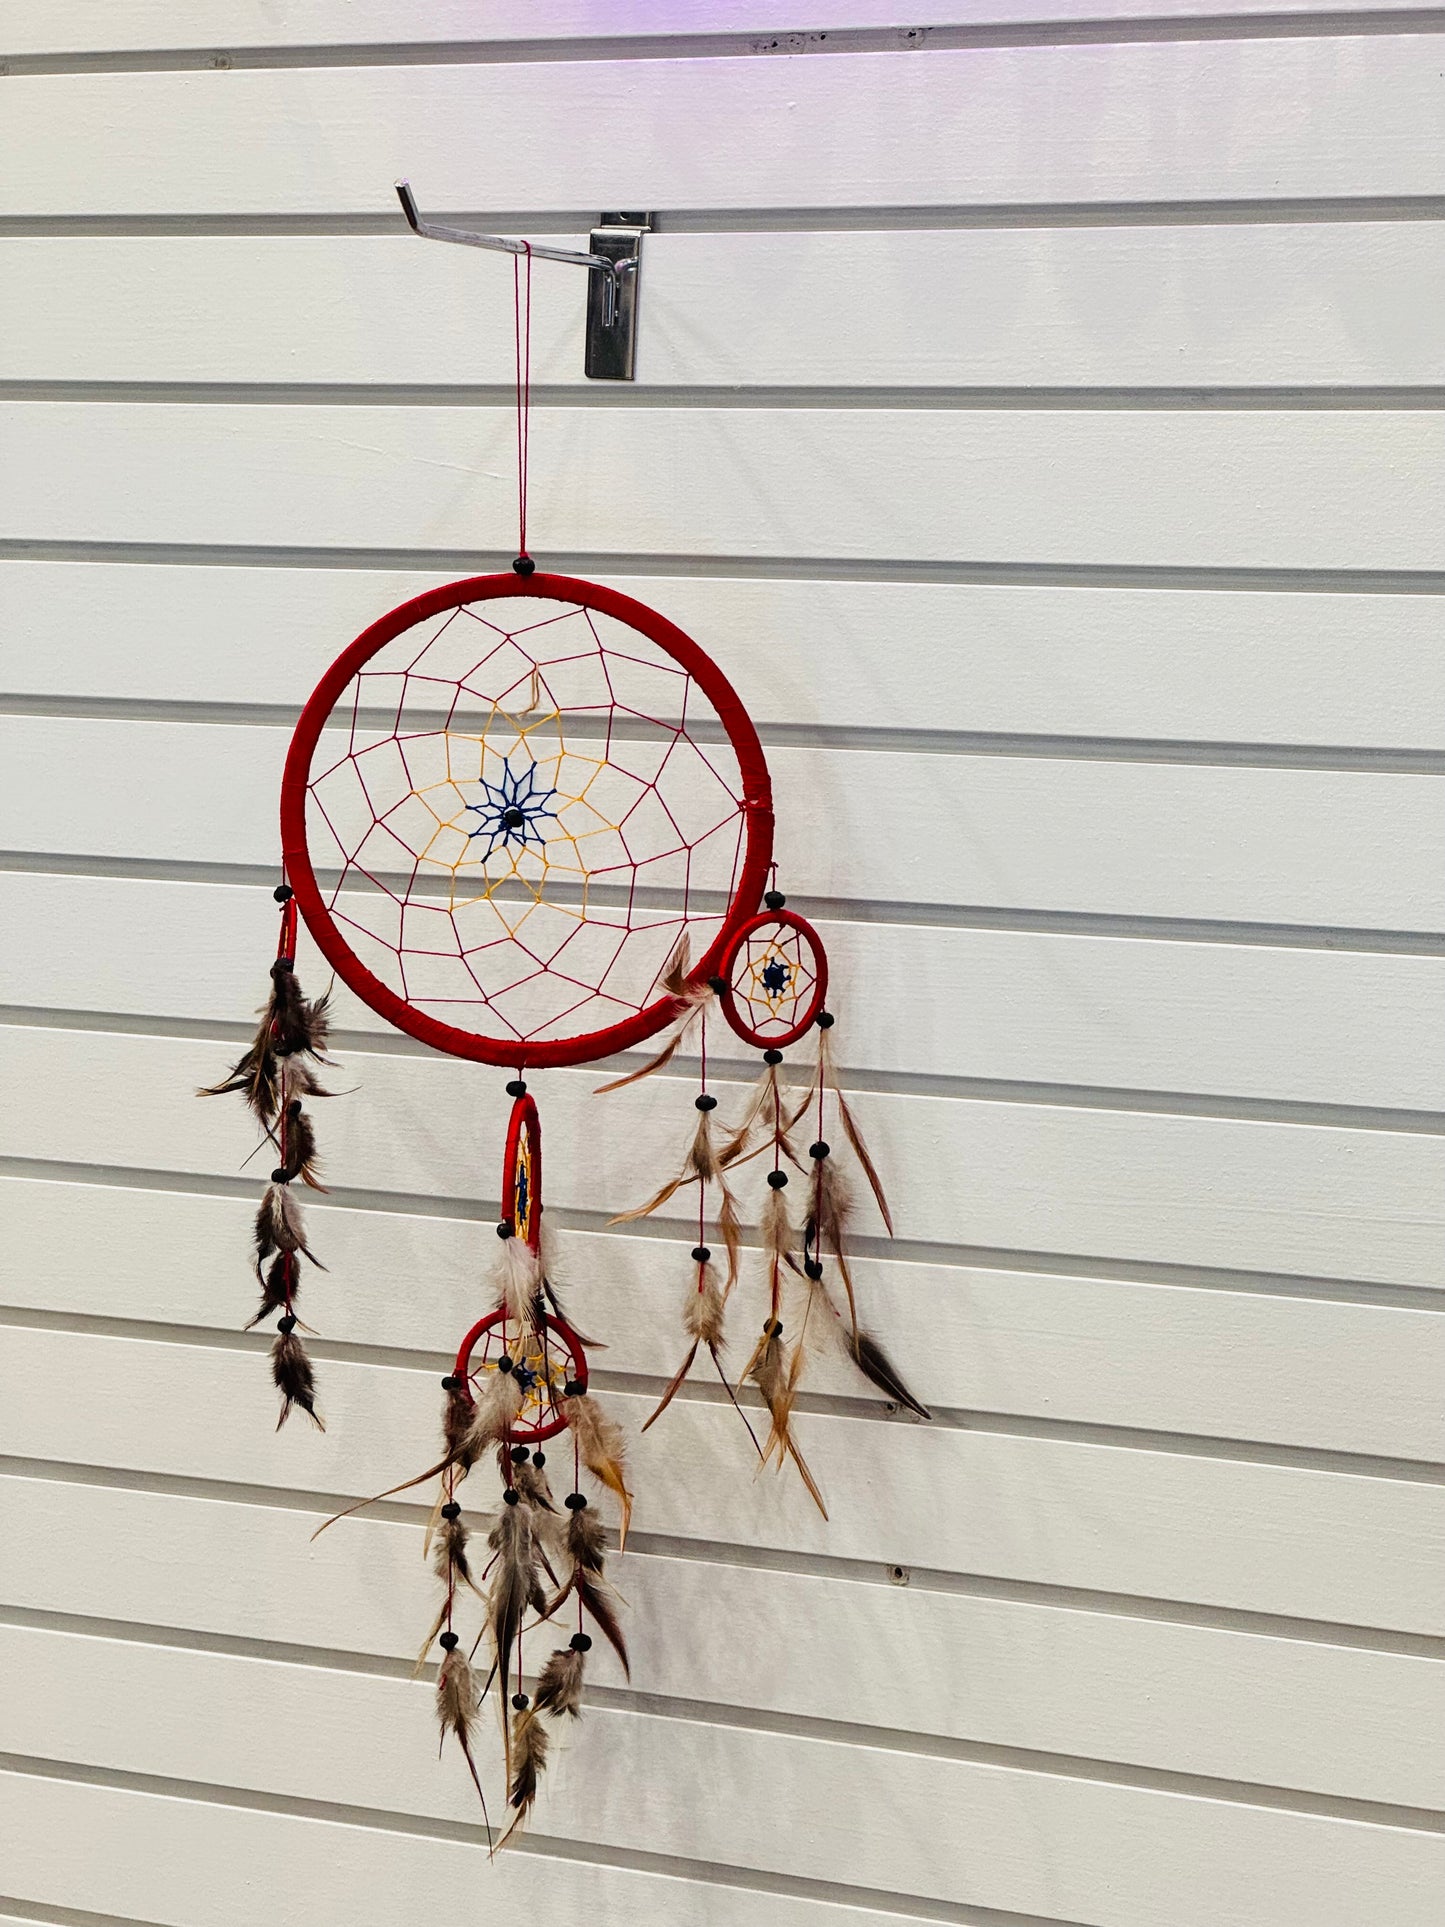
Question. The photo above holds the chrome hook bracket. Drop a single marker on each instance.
(614, 266)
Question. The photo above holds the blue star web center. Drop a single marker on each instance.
(775, 974)
(513, 811)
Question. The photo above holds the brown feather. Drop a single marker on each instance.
(830, 1208)
(559, 1684)
(693, 998)
(274, 1293)
(599, 1440)
(515, 1586)
(534, 1487)
(457, 1706)
(850, 1126)
(280, 1227)
(769, 1369)
(528, 1755)
(875, 1364)
(298, 1160)
(761, 1098)
(449, 1559)
(587, 1549)
(702, 1319)
(291, 1369)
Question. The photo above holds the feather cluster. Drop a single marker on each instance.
(599, 1441)
(274, 1076)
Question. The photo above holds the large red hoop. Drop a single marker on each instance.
(757, 807)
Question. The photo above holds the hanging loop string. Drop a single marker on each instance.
(522, 331)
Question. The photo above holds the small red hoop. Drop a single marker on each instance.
(773, 1030)
(522, 1173)
(554, 1352)
(756, 809)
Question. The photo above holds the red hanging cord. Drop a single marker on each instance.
(522, 331)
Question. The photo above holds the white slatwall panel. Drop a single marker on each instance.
(1079, 557)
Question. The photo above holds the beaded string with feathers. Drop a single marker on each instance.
(275, 1077)
(541, 1559)
(806, 1264)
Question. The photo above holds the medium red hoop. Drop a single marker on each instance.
(775, 977)
(553, 1352)
(522, 1174)
(753, 806)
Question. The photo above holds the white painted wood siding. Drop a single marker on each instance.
(1038, 416)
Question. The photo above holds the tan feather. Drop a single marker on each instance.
(518, 1277)
(599, 1441)
(559, 1684)
(830, 1208)
(828, 1070)
(586, 1547)
(516, 1587)
(693, 999)
(457, 1706)
(769, 1370)
(494, 1414)
(528, 1752)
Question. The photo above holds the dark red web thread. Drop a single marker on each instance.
(636, 897)
(522, 330)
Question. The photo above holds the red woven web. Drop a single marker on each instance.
(515, 811)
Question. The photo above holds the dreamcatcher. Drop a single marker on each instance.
(529, 822)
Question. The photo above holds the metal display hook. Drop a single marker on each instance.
(614, 266)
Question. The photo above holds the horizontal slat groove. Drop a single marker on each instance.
(772, 220)
(814, 1564)
(935, 742)
(895, 1083)
(473, 1211)
(319, 394)
(729, 46)
(12, 1908)
(1014, 1425)
(1304, 581)
(702, 1712)
(959, 916)
(536, 1843)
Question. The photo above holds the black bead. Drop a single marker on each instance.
(293, 1109)
(772, 1057)
(701, 1254)
(776, 1328)
(574, 1388)
(278, 1176)
(777, 1179)
(516, 1088)
(576, 1501)
(520, 1455)
(580, 1643)
(504, 1364)
(450, 1642)
(524, 565)
(717, 985)
(452, 1511)
(819, 1150)
(521, 1702)
(283, 963)
(510, 1495)
(824, 1020)
(812, 1269)
(706, 1102)
(506, 1229)
(774, 899)
(539, 1458)
(286, 1323)
(283, 893)
(451, 1383)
